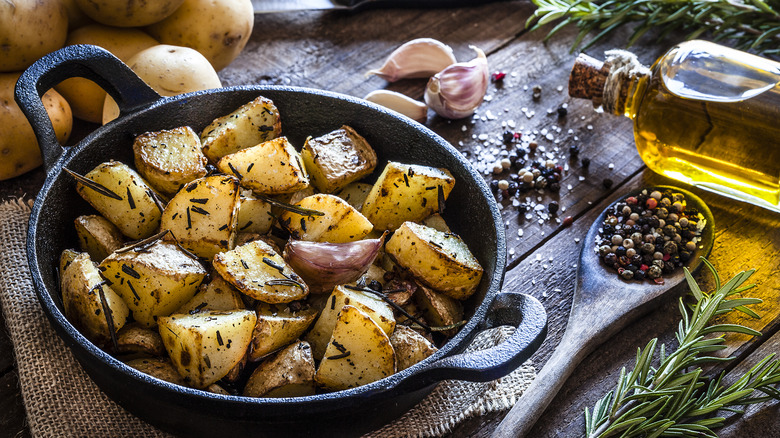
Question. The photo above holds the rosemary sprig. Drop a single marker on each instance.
(674, 398)
(747, 24)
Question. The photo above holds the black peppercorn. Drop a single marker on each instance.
(562, 111)
(620, 251)
(607, 183)
(494, 186)
(574, 150)
(585, 162)
(512, 189)
(610, 259)
(508, 136)
(552, 207)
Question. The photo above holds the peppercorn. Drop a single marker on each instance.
(639, 275)
(585, 162)
(375, 285)
(552, 207)
(567, 221)
(508, 136)
(523, 207)
(610, 259)
(533, 145)
(537, 92)
(512, 189)
(620, 251)
(654, 271)
(607, 183)
(562, 111)
(627, 274)
(494, 186)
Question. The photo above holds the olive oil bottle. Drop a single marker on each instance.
(703, 114)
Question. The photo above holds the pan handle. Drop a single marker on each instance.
(86, 61)
(507, 308)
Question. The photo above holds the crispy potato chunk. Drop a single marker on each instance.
(258, 271)
(438, 309)
(289, 373)
(134, 338)
(374, 307)
(83, 305)
(97, 236)
(439, 260)
(203, 215)
(204, 347)
(410, 347)
(278, 326)
(170, 158)
(160, 368)
(129, 202)
(271, 168)
(249, 125)
(66, 258)
(341, 223)
(406, 192)
(337, 159)
(436, 221)
(154, 281)
(218, 294)
(254, 215)
(358, 353)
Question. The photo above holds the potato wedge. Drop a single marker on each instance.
(337, 159)
(355, 194)
(341, 223)
(170, 158)
(278, 326)
(160, 368)
(97, 236)
(254, 215)
(83, 304)
(410, 347)
(66, 258)
(203, 215)
(379, 311)
(258, 271)
(134, 338)
(439, 310)
(155, 281)
(251, 124)
(439, 260)
(127, 201)
(218, 294)
(436, 221)
(270, 168)
(358, 353)
(205, 346)
(406, 192)
(289, 373)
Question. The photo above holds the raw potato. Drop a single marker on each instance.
(406, 192)
(134, 338)
(270, 168)
(278, 326)
(439, 309)
(254, 267)
(410, 347)
(337, 159)
(161, 369)
(355, 194)
(131, 206)
(219, 29)
(359, 352)
(440, 260)
(205, 346)
(170, 158)
(376, 309)
(19, 151)
(249, 125)
(128, 13)
(169, 70)
(290, 373)
(154, 281)
(97, 236)
(83, 305)
(218, 294)
(341, 223)
(30, 29)
(254, 215)
(76, 17)
(84, 96)
(203, 215)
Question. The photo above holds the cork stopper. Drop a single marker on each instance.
(587, 79)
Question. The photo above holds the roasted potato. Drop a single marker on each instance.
(289, 373)
(438, 309)
(337, 159)
(217, 294)
(355, 194)
(170, 158)
(278, 326)
(251, 124)
(340, 222)
(270, 168)
(439, 260)
(205, 346)
(66, 258)
(97, 236)
(406, 192)
(159, 368)
(254, 215)
(134, 338)
(410, 347)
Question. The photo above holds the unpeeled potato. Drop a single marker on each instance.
(30, 29)
(128, 13)
(169, 70)
(84, 96)
(219, 29)
(19, 152)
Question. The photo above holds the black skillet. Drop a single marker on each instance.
(471, 211)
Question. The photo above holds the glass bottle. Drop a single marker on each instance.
(703, 114)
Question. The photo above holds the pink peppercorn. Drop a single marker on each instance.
(498, 76)
(651, 203)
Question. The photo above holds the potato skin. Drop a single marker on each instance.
(30, 29)
(128, 13)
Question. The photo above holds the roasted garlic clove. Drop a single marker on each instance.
(419, 58)
(459, 89)
(398, 102)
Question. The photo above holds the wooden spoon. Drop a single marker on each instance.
(603, 304)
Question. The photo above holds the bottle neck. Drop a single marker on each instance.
(626, 74)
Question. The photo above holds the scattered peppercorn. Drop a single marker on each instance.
(607, 183)
(508, 136)
(562, 111)
(585, 162)
(552, 207)
(567, 221)
(494, 186)
(497, 76)
(537, 92)
(574, 151)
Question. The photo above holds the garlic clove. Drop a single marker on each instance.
(401, 103)
(419, 58)
(459, 89)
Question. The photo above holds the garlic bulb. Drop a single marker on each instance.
(459, 89)
(401, 103)
(419, 58)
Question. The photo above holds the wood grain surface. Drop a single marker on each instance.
(332, 51)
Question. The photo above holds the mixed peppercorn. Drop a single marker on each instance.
(649, 235)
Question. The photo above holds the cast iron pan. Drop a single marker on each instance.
(471, 211)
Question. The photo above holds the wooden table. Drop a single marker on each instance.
(332, 51)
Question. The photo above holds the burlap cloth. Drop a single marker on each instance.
(62, 401)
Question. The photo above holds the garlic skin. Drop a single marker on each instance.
(458, 90)
(418, 58)
(401, 103)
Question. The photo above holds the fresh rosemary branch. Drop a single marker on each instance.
(752, 25)
(674, 398)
